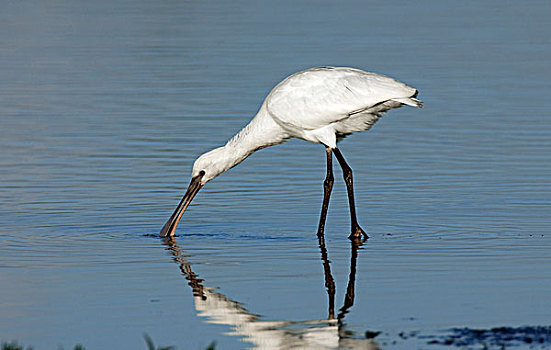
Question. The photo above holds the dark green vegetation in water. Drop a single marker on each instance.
(538, 337)
(533, 337)
(14, 345)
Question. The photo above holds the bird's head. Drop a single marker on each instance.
(210, 165)
(206, 167)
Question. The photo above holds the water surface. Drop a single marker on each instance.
(104, 106)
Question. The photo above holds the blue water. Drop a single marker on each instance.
(104, 106)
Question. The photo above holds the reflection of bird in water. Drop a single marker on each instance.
(321, 105)
(330, 333)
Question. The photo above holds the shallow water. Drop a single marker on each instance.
(104, 106)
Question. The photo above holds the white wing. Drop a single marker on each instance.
(318, 97)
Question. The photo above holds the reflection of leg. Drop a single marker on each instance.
(329, 281)
(357, 232)
(349, 296)
(327, 187)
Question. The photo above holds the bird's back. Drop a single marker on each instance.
(325, 96)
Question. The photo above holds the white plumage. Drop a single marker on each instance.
(338, 99)
(320, 105)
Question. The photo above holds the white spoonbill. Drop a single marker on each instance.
(320, 105)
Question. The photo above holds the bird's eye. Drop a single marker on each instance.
(202, 173)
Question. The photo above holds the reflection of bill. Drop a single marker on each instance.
(314, 334)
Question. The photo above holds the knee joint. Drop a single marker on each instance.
(347, 174)
(328, 182)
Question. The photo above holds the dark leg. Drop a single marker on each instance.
(327, 187)
(357, 232)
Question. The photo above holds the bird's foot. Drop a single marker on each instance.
(358, 234)
(321, 231)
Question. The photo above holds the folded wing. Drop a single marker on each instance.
(318, 97)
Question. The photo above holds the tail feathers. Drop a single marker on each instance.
(410, 101)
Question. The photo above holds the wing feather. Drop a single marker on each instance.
(318, 97)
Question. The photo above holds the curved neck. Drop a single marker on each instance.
(262, 131)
